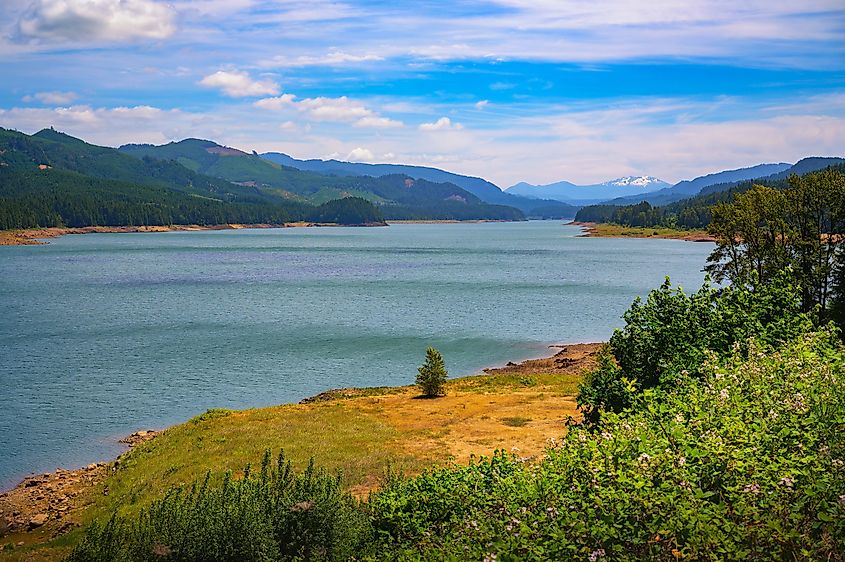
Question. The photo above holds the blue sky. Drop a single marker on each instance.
(511, 90)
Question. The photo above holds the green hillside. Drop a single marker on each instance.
(52, 179)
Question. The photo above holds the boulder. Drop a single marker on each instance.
(38, 520)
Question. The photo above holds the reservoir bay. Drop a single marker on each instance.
(105, 334)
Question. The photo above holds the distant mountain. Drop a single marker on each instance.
(481, 188)
(695, 212)
(398, 196)
(689, 188)
(803, 166)
(588, 194)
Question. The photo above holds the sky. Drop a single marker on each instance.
(509, 90)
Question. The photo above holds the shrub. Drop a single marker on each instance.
(277, 515)
(671, 333)
(432, 375)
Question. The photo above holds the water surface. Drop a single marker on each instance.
(105, 334)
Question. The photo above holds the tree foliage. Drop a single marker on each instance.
(431, 376)
(765, 231)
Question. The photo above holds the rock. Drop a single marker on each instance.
(38, 520)
(20, 543)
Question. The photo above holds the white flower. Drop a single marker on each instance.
(596, 555)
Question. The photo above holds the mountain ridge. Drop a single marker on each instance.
(481, 188)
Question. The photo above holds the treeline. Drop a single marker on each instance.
(57, 198)
(692, 213)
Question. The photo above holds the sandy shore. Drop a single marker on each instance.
(601, 230)
(34, 236)
(47, 505)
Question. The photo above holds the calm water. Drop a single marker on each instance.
(102, 335)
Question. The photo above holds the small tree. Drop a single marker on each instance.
(432, 375)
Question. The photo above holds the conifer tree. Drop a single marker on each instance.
(432, 374)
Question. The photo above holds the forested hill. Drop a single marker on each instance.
(397, 195)
(695, 212)
(51, 179)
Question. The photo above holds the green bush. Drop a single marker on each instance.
(669, 335)
(432, 375)
(276, 515)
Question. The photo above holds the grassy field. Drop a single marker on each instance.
(604, 230)
(359, 432)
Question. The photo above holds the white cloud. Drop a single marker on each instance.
(276, 104)
(442, 124)
(482, 104)
(332, 58)
(239, 84)
(334, 109)
(374, 122)
(337, 110)
(360, 155)
(52, 98)
(92, 20)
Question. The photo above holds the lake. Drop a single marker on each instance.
(105, 334)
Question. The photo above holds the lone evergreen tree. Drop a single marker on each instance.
(432, 375)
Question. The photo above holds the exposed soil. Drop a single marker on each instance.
(34, 236)
(575, 358)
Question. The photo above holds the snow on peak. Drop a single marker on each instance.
(639, 181)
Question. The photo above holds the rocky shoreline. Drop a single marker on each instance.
(48, 504)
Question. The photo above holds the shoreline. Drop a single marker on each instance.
(605, 230)
(43, 506)
(39, 236)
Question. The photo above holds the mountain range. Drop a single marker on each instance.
(588, 194)
(488, 192)
(51, 178)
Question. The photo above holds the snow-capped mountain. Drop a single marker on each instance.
(588, 194)
(639, 181)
